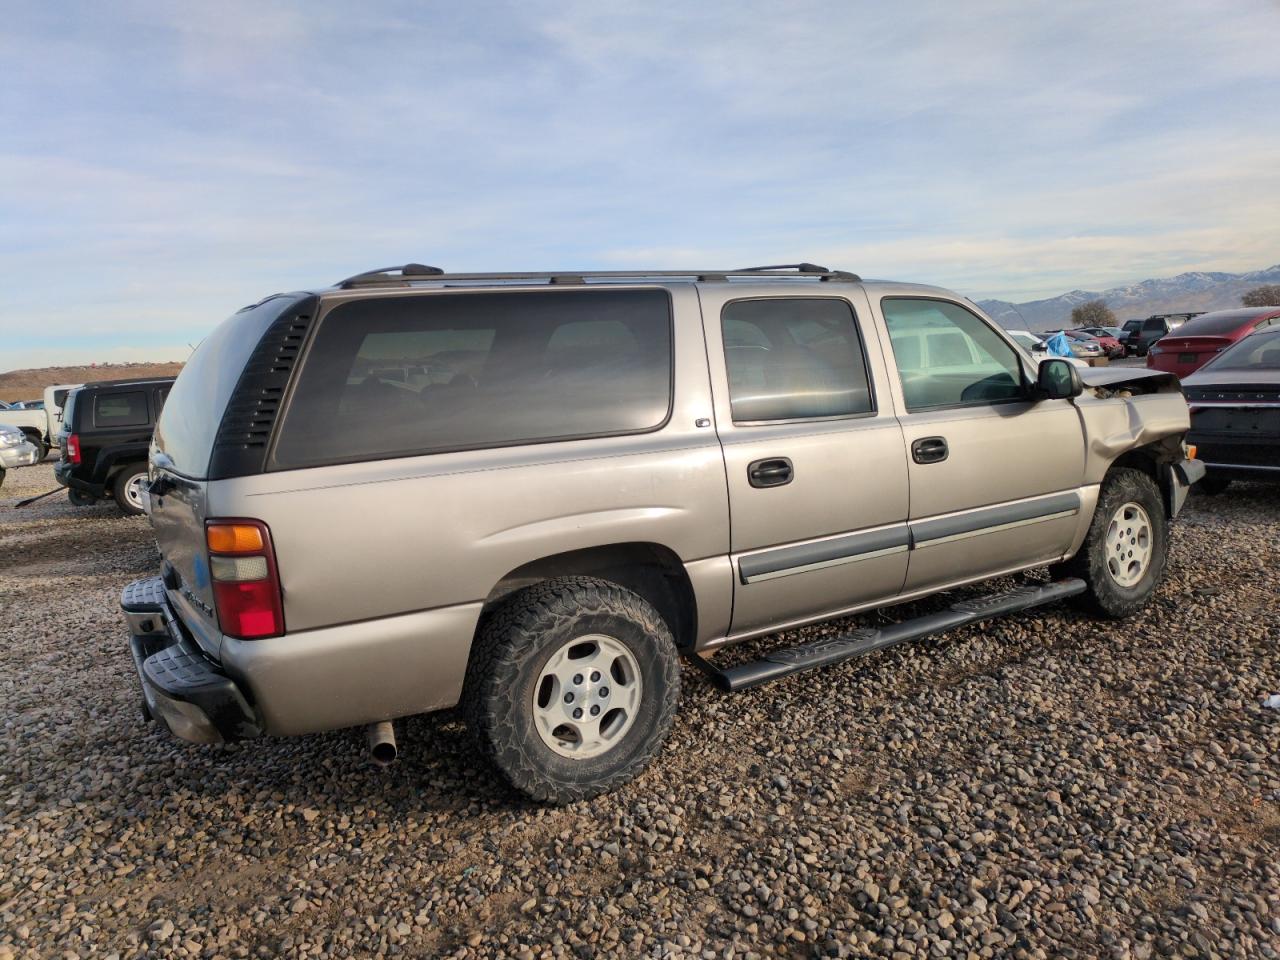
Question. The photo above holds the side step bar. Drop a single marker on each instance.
(824, 653)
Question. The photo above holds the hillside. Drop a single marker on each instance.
(1186, 291)
(30, 384)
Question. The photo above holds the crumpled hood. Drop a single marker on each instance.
(1123, 376)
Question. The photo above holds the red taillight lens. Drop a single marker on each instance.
(246, 584)
(73, 448)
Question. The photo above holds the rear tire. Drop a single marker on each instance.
(127, 489)
(572, 687)
(1212, 486)
(1123, 556)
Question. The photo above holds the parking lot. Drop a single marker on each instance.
(1042, 786)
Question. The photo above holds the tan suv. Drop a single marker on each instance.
(529, 494)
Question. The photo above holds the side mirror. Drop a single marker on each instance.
(1058, 380)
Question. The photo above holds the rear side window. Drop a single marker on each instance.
(794, 359)
(947, 356)
(400, 376)
(120, 409)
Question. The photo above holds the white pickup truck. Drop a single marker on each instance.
(33, 423)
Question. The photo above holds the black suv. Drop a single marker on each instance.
(106, 432)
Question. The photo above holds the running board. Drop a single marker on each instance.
(824, 653)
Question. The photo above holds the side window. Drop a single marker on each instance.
(402, 376)
(947, 356)
(1154, 325)
(794, 359)
(120, 410)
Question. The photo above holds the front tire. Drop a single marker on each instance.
(1123, 556)
(572, 687)
(127, 489)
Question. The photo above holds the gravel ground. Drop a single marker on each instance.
(1042, 786)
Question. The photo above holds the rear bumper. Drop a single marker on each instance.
(181, 688)
(62, 472)
(303, 682)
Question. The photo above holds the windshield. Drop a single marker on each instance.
(1259, 351)
(1227, 321)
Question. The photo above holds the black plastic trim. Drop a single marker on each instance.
(824, 551)
(978, 520)
(241, 443)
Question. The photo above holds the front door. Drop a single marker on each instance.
(817, 474)
(994, 476)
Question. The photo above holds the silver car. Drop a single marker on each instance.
(15, 450)
(531, 494)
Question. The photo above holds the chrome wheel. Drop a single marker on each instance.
(587, 696)
(1128, 544)
(133, 490)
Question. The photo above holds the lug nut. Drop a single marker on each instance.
(577, 678)
(568, 698)
(595, 675)
(604, 691)
(595, 710)
(577, 713)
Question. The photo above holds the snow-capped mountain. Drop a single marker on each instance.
(1186, 291)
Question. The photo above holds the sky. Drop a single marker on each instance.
(163, 164)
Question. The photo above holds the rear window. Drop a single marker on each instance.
(399, 376)
(197, 400)
(120, 409)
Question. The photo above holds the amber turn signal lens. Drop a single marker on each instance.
(1191, 451)
(234, 538)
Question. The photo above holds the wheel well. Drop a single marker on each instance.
(648, 569)
(1152, 459)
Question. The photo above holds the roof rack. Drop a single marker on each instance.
(417, 273)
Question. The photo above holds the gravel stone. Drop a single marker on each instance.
(1046, 785)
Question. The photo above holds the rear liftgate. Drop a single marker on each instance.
(825, 653)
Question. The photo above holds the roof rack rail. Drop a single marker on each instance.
(383, 274)
(417, 272)
(804, 268)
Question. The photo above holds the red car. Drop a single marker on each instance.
(1111, 346)
(1198, 341)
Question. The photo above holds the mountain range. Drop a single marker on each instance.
(1186, 291)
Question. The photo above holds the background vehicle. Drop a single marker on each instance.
(1235, 411)
(1111, 346)
(15, 450)
(31, 422)
(55, 397)
(106, 433)
(1083, 346)
(1152, 329)
(1127, 336)
(1198, 341)
(1036, 347)
(601, 472)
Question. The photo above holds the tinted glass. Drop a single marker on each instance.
(120, 409)
(1259, 351)
(406, 375)
(193, 410)
(1154, 325)
(947, 356)
(794, 359)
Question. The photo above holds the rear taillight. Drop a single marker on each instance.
(246, 584)
(73, 448)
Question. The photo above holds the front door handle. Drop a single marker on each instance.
(773, 472)
(929, 450)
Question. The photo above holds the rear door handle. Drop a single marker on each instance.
(773, 472)
(929, 450)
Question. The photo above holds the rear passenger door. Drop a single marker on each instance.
(816, 468)
(994, 475)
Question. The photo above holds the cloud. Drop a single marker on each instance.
(164, 165)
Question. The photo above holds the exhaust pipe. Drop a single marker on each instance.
(382, 743)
